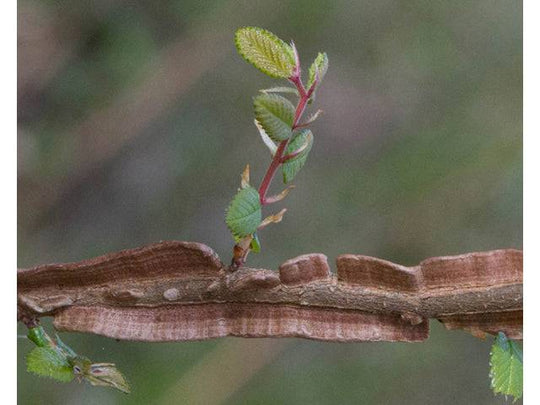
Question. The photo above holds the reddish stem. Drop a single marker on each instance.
(292, 155)
(240, 253)
(276, 161)
(278, 156)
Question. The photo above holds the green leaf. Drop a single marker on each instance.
(244, 213)
(320, 65)
(275, 114)
(68, 351)
(506, 364)
(38, 336)
(99, 374)
(266, 139)
(255, 245)
(49, 362)
(290, 90)
(107, 375)
(292, 167)
(313, 117)
(265, 51)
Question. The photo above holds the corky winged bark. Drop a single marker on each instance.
(176, 291)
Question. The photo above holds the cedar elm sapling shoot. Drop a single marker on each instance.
(281, 129)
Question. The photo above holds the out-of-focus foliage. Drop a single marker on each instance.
(132, 127)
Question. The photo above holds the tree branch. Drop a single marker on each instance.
(177, 291)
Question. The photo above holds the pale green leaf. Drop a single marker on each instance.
(292, 167)
(244, 213)
(312, 117)
(318, 68)
(107, 375)
(265, 51)
(275, 114)
(49, 362)
(290, 90)
(506, 370)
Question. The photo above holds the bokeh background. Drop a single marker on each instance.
(135, 122)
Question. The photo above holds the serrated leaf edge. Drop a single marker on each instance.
(272, 147)
(295, 159)
(505, 347)
(315, 68)
(235, 232)
(264, 104)
(277, 41)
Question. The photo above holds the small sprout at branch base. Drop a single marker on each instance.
(241, 250)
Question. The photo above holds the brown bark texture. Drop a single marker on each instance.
(179, 291)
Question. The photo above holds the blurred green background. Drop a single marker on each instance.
(135, 122)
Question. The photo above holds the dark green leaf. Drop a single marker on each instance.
(244, 213)
(275, 114)
(293, 166)
(265, 51)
